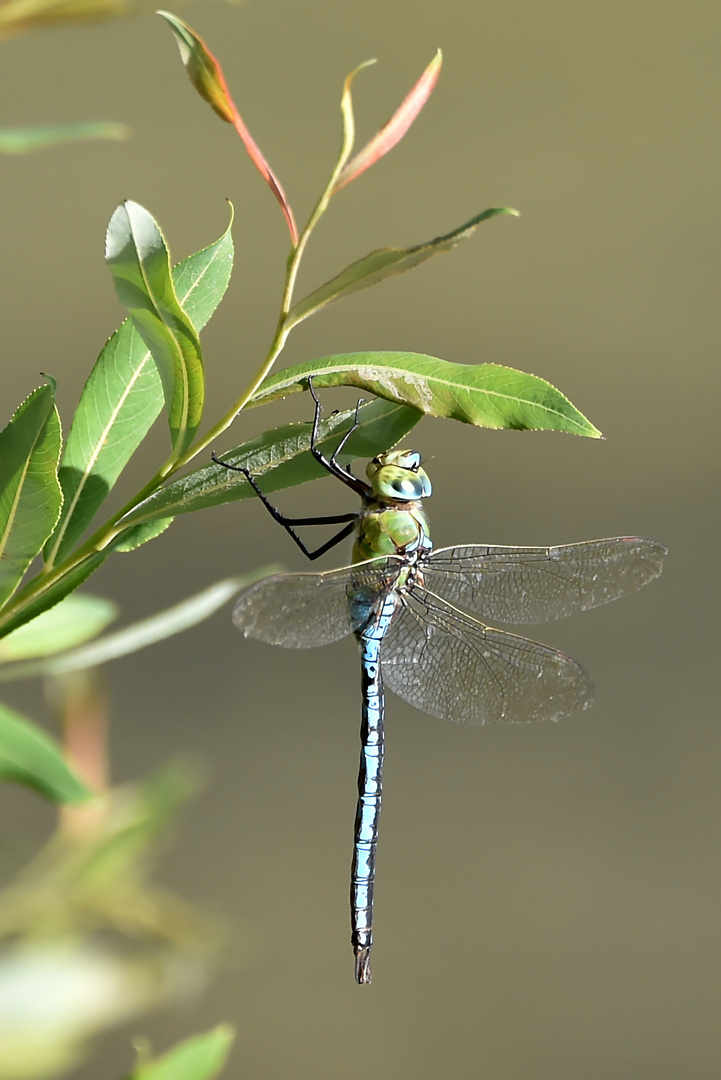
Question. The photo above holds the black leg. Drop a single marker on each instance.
(288, 522)
(346, 437)
(333, 467)
(331, 464)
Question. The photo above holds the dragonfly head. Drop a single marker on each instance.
(398, 475)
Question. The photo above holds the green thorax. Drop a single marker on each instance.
(393, 521)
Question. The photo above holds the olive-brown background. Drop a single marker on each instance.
(548, 898)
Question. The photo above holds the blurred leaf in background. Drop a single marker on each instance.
(18, 16)
(199, 1058)
(86, 940)
(31, 757)
(24, 140)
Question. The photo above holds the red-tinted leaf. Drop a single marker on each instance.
(207, 77)
(203, 69)
(396, 127)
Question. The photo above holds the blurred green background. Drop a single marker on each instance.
(567, 923)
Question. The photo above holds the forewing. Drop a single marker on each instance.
(300, 611)
(538, 584)
(450, 666)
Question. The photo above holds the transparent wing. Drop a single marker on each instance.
(538, 584)
(300, 611)
(448, 665)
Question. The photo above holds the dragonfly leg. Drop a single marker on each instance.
(331, 463)
(289, 522)
(351, 430)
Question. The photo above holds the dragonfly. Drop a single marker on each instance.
(416, 613)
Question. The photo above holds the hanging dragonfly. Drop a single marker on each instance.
(410, 606)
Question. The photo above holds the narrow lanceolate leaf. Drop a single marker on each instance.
(201, 1057)
(140, 635)
(138, 256)
(30, 496)
(385, 263)
(23, 140)
(78, 618)
(122, 398)
(207, 77)
(282, 458)
(396, 127)
(29, 756)
(487, 395)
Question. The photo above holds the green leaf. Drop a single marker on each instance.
(30, 496)
(23, 140)
(76, 619)
(139, 635)
(135, 537)
(138, 256)
(382, 264)
(486, 395)
(346, 108)
(201, 280)
(282, 457)
(122, 398)
(137, 815)
(29, 756)
(201, 1057)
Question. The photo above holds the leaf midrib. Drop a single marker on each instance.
(185, 381)
(18, 492)
(404, 372)
(106, 431)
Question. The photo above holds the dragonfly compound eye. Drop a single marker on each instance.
(401, 484)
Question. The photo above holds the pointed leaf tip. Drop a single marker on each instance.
(346, 108)
(392, 132)
(379, 265)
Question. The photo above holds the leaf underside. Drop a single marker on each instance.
(282, 458)
(138, 256)
(384, 263)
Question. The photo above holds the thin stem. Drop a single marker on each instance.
(284, 326)
(113, 526)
